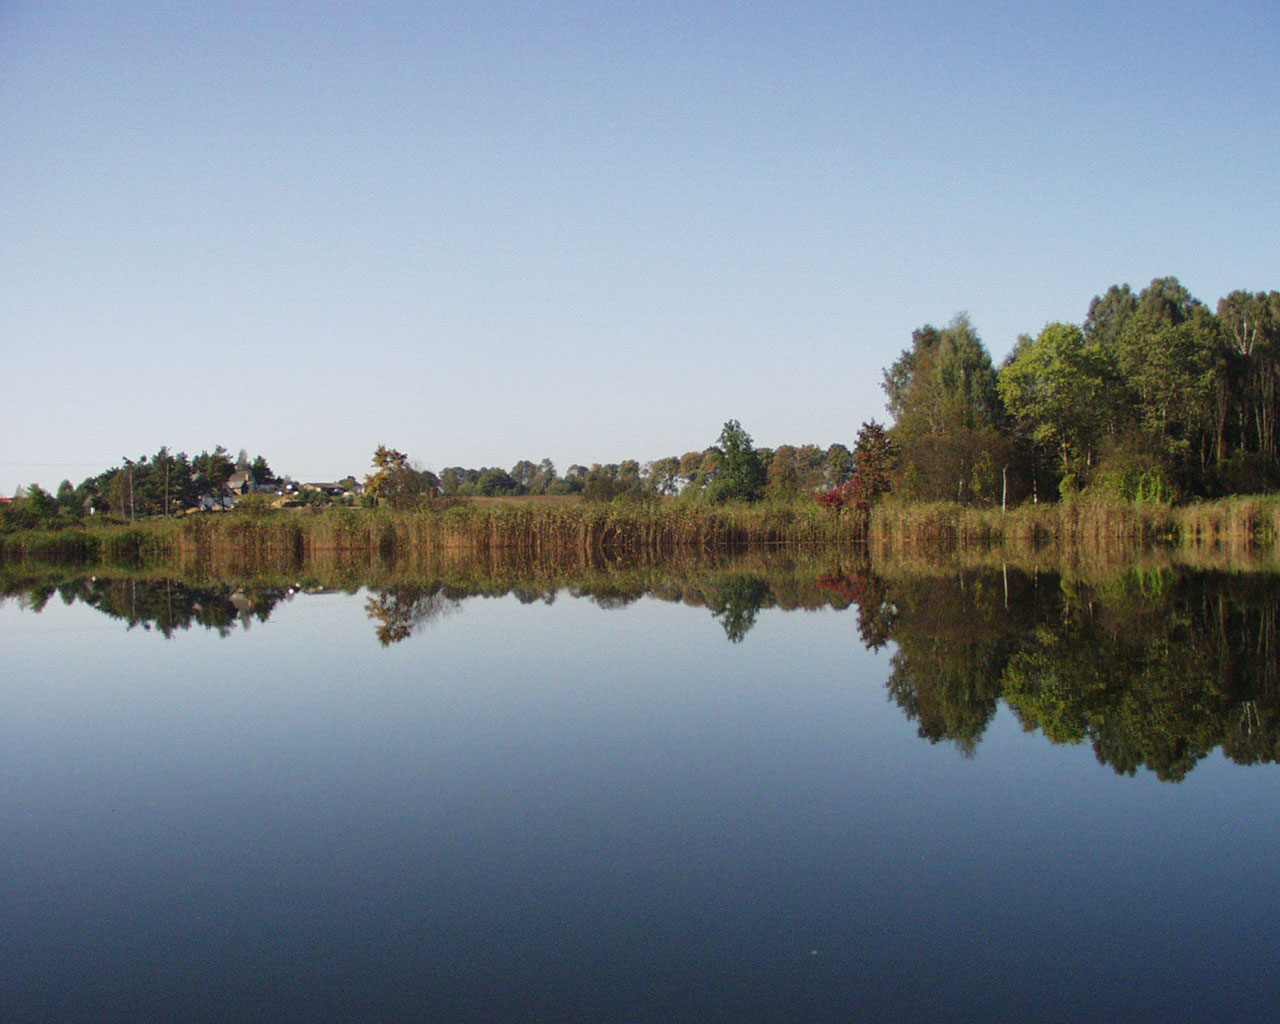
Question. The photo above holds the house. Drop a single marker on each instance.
(241, 482)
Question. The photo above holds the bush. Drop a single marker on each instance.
(1134, 470)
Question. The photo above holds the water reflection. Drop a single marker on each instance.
(1151, 671)
(399, 612)
(165, 605)
(737, 601)
(1153, 667)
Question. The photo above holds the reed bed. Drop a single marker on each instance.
(123, 545)
(545, 531)
(1080, 529)
(1074, 532)
(1235, 524)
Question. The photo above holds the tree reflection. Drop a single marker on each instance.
(1153, 671)
(953, 636)
(401, 611)
(165, 605)
(737, 601)
(1152, 668)
(1164, 684)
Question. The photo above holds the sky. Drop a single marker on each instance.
(485, 232)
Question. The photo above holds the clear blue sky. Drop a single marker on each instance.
(481, 232)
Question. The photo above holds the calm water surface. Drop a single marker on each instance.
(568, 811)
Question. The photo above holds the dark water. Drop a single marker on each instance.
(974, 798)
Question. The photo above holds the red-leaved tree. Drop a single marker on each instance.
(872, 464)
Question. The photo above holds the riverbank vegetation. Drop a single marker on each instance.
(1082, 528)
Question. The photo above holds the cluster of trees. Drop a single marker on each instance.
(397, 482)
(152, 485)
(1153, 396)
(1156, 669)
(870, 476)
(732, 469)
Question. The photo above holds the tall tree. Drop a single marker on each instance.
(1056, 388)
(664, 475)
(739, 475)
(1250, 324)
(1108, 314)
(1168, 356)
(950, 424)
(261, 472)
(783, 477)
(839, 465)
(213, 470)
(395, 481)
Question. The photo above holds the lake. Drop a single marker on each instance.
(736, 796)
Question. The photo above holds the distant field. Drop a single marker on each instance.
(528, 501)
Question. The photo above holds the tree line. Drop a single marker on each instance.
(732, 469)
(1154, 396)
(728, 470)
(152, 485)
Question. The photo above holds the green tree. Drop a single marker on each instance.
(1169, 358)
(944, 380)
(950, 431)
(664, 475)
(523, 473)
(395, 481)
(261, 472)
(612, 481)
(1056, 388)
(783, 476)
(1250, 324)
(213, 470)
(839, 465)
(42, 504)
(739, 476)
(1108, 314)
(493, 482)
(68, 503)
(452, 479)
(811, 467)
(545, 479)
